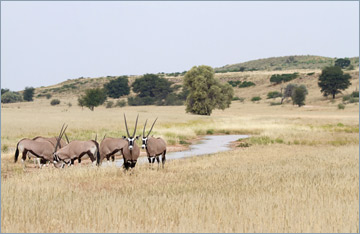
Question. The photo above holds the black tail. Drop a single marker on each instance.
(17, 152)
(97, 153)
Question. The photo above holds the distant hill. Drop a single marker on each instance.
(257, 71)
(284, 63)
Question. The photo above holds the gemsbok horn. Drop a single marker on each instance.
(154, 146)
(131, 151)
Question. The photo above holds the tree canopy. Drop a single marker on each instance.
(342, 62)
(151, 89)
(92, 98)
(28, 94)
(332, 80)
(118, 87)
(205, 92)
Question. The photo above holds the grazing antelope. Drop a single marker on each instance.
(40, 149)
(75, 150)
(154, 146)
(109, 147)
(131, 151)
(52, 140)
(79, 159)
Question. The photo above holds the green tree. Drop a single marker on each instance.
(28, 94)
(299, 95)
(332, 80)
(3, 91)
(205, 92)
(118, 87)
(342, 62)
(151, 89)
(93, 98)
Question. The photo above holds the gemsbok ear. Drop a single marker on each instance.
(137, 137)
(124, 137)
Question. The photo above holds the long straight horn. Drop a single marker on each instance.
(144, 129)
(60, 136)
(135, 125)
(67, 139)
(152, 127)
(126, 126)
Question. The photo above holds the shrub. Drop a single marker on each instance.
(5, 148)
(273, 94)
(298, 96)
(234, 83)
(55, 102)
(355, 94)
(254, 99)
(120, 103)
(310, 74)
(109, 104)
(11, 97)
(246, 84)
(118, 87)
(48, 96)
(277, 78)
(341, 106)
(28, 94)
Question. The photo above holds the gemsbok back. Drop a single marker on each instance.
(154, 147)
(130, 151)
(41, 149)
(76, 150)
(109, 147)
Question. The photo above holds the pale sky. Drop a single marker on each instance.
(44, 43)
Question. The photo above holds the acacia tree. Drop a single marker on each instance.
(118, 87)
(332, 80)
(205, 92)
(92, 98)
(28, 94)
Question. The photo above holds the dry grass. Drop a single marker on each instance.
(300, 173)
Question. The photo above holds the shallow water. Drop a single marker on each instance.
(208, 145)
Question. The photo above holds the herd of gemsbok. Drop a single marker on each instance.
(56, 151)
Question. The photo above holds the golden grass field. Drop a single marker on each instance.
(299, 174)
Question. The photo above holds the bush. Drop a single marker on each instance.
(118, 87)
(246, 84)
(275, 103)
(310, 74)
(234, 83)
(355, 94)
(120, 103)
(277, 78)
(109, 104)
(255, 99)
(55, 102)
(28, 94)
(298, 96)
(11, 97)
(273, 94)
(341, 106)
(48, 96)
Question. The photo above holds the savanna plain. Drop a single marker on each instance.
(297, 172)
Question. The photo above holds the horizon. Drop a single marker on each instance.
(41, 47)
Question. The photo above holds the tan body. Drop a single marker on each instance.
(40, 149)
(130, 156)
(154, 148)
(52, 140)
(109, 147)
(77, 149)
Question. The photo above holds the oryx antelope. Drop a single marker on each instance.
(40, 149)
(79, 159)
(109, 147)
(130, 151)
(52, 140)
(75, 150)
(154, 146)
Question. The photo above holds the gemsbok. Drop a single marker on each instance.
(40, 149)
(130, 151)
(76, 150)
(154, 147)
(109, 147)
(53, 141)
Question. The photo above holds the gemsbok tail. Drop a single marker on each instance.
(97, 153)
(17, 152)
